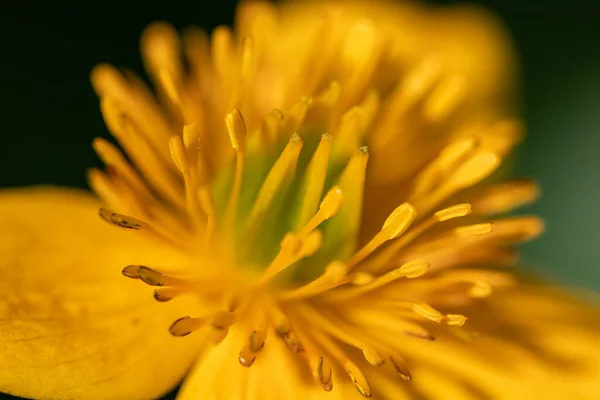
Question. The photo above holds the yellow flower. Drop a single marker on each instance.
(302, 211)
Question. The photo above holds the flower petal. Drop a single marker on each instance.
(70, 324)
(535, 342)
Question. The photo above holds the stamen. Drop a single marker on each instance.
(178, 154)
(425, 310)
(132, 271)
(506, 197)
(358, 379)
(445, 98)
(246, 357)
(186, 325)
(335, 275)
(372, 356)
(348, 137)
(272, 126)
(257, 341)
(356, 375)
(236, 127)
(473, 230)
(455, 319)
(291, 340)
(163, 295)
(411, 269)
(382, 259)
(283, 168)
(324, 374)
(248, 354)
(315, 175)
(401, 368)
(395, 225)
(459, 210)
(120, 220)
(208, 206)
(331, 204)
(351, 182)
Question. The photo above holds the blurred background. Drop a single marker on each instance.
(49, 114)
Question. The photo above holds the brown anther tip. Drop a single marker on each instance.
(327, 386)
(119, 220)
(173, 328)
(131, 271)
(160, 298)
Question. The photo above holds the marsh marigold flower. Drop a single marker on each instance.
(307, 209)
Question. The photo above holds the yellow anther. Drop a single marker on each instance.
(186, 325)
(178, 154)
(399, 221)
(455, 319)
(414, 268)
(236, 127)
(401, 368)
(246, 357)
(332, 202)
(324, 374)
(362, 278)
(480, 289)
(459, 210)
(425, 310)
(372, 356)
(358, 379)
(473, 230)
(475, 168)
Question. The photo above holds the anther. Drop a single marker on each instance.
(401, 368)
(399, 221)
(236, 127)
(257, 341)
(426, 311)
(131, 271)
(473, 230)
(324, 374)
(480, 289)
(246, 357)
(185, 325)
(332, 202)
(455, 319)
(359, 380)
(372, 356)
(123, 221)
(150, 276)
(414, 268)
(165, 294)
(362, 278)
(222, 320)
(459, 210)
(161, 298)
(291, 340)
(178, 154)
(425, 335)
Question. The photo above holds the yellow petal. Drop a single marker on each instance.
(534, 342)
(70, 324)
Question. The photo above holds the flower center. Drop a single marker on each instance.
(303, 308)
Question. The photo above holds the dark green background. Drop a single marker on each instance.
(49, 113)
